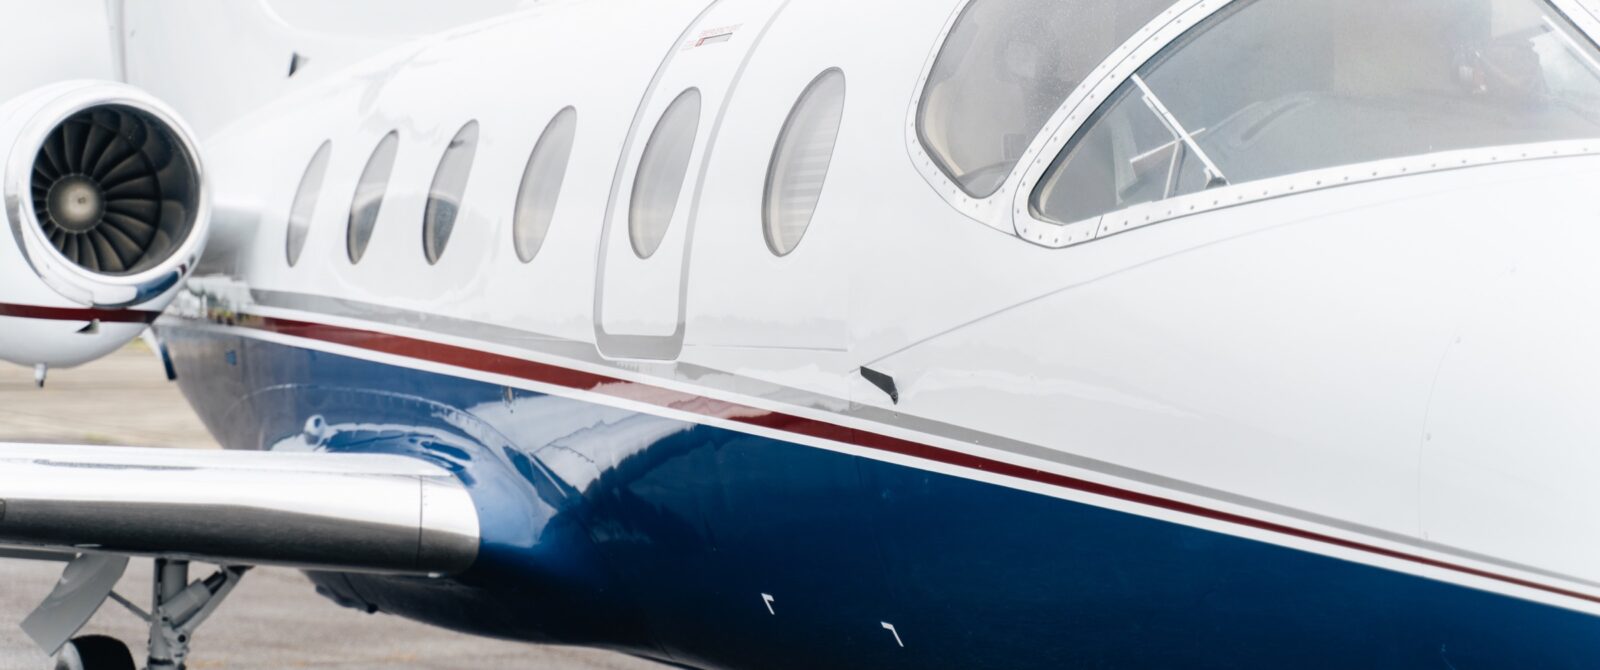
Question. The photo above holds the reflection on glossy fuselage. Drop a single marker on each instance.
(659, 537)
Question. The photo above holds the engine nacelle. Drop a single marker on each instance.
(105, 215)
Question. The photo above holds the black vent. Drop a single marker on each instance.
(114, 190)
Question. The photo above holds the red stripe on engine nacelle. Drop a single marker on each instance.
(77, 314)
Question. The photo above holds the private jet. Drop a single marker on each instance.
(830, 333)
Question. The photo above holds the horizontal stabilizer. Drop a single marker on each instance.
(341, 512)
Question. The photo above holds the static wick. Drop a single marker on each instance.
(39, 372)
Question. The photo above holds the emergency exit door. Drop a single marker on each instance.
(644, 257)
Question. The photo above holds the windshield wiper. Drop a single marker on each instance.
(1214, 176)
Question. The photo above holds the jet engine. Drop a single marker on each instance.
(105, 216)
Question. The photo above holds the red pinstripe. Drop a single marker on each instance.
(482, 361)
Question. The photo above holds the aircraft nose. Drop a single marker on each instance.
(1512, 429)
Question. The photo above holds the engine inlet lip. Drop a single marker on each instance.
(56, 270)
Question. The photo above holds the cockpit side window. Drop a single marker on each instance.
(1004, 69)
(1268, 88)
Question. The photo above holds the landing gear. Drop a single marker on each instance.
(180, 606)
(95, 652)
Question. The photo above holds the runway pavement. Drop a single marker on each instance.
(274, 619)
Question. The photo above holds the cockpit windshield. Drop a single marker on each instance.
(1267, 88)
(1005, 67)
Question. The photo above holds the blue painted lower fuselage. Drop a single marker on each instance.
(711, 547)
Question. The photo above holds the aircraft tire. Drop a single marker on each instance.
(95, 652)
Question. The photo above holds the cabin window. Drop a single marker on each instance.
(661, 174)
(305, 202)
(541, 184)
(444, 195)
(1004, 69)
(368, 198)
(800, 162)
(1268, 88)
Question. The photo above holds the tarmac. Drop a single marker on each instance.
(273, 619)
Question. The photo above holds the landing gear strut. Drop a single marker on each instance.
(179, 607)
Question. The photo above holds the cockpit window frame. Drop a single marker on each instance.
(1010, 208)
(995, 209)
(1080, 109)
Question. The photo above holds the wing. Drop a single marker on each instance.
(323, 511)
(97, 506)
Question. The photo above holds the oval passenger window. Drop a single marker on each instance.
(662, 169)
(541, 184)
(368, 198)
(444, 196)
(305, 203)
(800, 162)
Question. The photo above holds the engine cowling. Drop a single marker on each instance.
(106, 213)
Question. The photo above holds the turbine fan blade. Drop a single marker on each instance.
(130, 167)
(70, 249)
(157, 150)
(133, 228)
(110, 256)
(42, 169)
(169, 173)
(74, 134)
(135, 208)
(142, 188)
(172, 213)
(91, 260)
(130, 135)
(94, 145)
(53, 153)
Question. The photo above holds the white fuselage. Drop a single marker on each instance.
(1406, 363)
